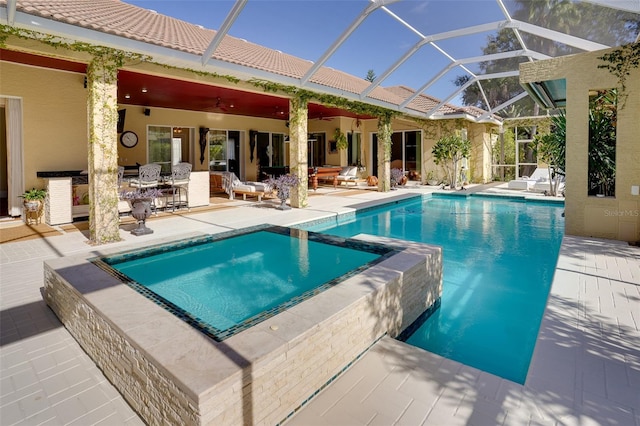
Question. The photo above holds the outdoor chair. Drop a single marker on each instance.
(348, 175)
(232, 186)
(148, 176)
(179, 182)
(120, 176)
(527, 182)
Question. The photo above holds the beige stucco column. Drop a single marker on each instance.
(384, 153)
(298, 113)
(102, 107)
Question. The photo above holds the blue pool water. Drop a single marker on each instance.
(499, 256)
(225, 284)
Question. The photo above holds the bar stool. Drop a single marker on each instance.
(178, 182)
(148, 177)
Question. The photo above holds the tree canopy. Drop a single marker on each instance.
(581, 19)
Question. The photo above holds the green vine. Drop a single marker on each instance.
(620, 62)
(229, 78)
(119, 57)
(356, 107)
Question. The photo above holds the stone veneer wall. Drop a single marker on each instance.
(58, 203)
(149, 391)
(270, 373)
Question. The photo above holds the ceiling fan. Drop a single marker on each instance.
(220, 105)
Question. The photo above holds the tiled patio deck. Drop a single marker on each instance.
(585, 370)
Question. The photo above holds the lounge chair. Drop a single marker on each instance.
(348, 175)
(527, 182)
(544, 184)
(234, 186)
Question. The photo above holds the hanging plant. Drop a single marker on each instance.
(341, 139)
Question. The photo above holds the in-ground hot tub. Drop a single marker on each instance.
(171, 370)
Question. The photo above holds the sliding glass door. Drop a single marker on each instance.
(169, 145)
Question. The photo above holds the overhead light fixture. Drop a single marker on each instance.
(127, 96)
(144, 90)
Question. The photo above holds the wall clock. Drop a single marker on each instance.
(129, 139)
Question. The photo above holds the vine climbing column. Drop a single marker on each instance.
(103, 149)
(384, 153)
(298, 149)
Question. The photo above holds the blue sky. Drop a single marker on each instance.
(306, 28)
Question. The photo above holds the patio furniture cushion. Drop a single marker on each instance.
(348, 173)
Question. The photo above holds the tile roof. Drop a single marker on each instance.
(132, 22)
(422, 102)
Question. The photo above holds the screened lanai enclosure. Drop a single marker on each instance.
(459, 52)
(464, 53)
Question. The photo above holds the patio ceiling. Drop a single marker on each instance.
(153, 91)
(162, 92)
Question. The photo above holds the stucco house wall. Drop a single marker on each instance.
(609, 217)
(54, 107)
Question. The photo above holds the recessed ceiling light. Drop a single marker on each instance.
(127, 96)
(144, 90)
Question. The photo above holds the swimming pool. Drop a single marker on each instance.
(499, 257)
(226, 283)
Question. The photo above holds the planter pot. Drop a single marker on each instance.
(283, 205)
(32, 211)
(141, 210)
(32, 205)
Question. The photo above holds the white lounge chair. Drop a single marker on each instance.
(527, 182)
(232, 186)
(544, 184)
(348, 174)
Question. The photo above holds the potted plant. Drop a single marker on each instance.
(33, 199)
(140, 201)
(431, 178)
(341, 139)
(397, 178)
(283, 184)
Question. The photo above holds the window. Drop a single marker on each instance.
(405, 151)
(217, 150)
(316, 155)
(526, 158)
(354, 149)
(602, 142)
(224, 151)
(278, 150)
